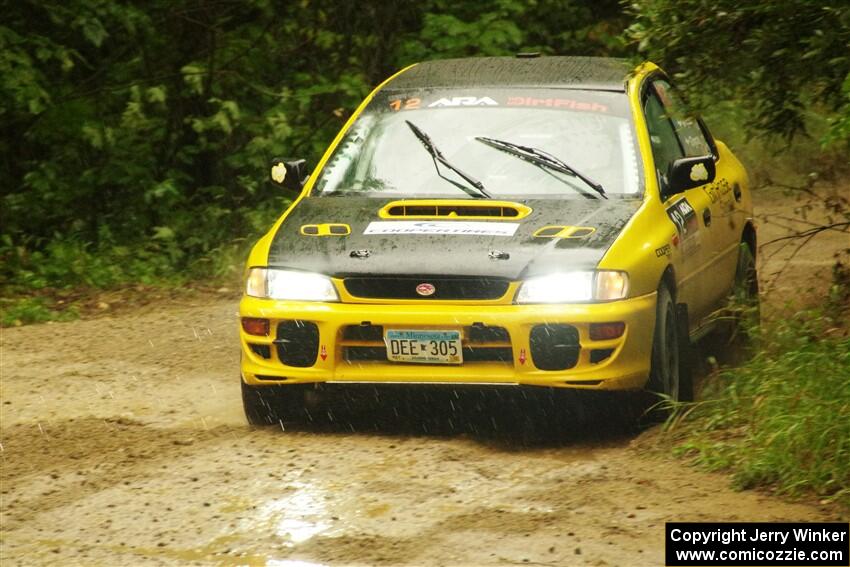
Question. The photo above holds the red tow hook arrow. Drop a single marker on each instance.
(323, 352)
(522, 356)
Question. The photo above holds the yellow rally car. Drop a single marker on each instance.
(540, 221)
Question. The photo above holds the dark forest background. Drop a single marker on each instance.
(136, 135)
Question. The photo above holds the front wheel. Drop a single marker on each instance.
(745, 294)
(667, 375)
(260, 404)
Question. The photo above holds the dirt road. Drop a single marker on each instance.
(123, 443)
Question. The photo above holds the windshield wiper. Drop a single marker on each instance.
(541, 158)
(438, 157)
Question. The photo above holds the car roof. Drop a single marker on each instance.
(590, 73)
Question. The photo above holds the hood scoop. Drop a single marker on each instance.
(448, 209)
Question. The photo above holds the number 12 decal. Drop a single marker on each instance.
(406, 104)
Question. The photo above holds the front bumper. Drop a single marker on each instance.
(626, 366)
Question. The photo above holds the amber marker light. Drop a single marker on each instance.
(255, 326)
(606, 331)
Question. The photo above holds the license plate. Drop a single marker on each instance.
(424, 347)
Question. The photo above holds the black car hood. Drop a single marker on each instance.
(442, 254)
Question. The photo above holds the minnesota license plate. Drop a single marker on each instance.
(425, 347)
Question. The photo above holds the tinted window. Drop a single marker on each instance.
(662, 137)
(687, 128)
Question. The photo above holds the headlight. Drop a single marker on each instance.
(574, 287)
(286, 284)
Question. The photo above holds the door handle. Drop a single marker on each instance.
(706, 217)
(736, 190)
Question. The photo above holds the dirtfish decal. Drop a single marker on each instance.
(463, 101)
(720, 190)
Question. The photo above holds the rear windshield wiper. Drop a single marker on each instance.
(438, 157)
(541, 158)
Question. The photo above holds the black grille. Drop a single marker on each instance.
(483, 334)
(364, 353)
(599, 354)
(472, 351)
(404, 287)
(554, 347)
(470, 354)
(477, 333)
(367, 332)
(297, 343)
(264, 351)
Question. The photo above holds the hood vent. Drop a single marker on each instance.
(564, 231)
(326, 229)
(447, 209)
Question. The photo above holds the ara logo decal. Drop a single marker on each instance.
(426, 289)
(463, 101)
(323, 352)
(699, 172)
(522, 357)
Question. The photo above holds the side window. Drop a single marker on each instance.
(662, 136)
(687, 128)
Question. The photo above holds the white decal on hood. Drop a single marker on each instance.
(464, 101)
(454, 228)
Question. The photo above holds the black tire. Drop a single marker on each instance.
(669, 375)
(745, 294)
(260, 404)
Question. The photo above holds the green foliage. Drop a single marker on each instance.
(783, 418)
(137, 135)
(777, 59)
(31, 310)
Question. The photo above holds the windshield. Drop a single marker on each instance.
(382, 155)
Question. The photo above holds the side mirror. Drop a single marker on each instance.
(289, 173)
(687, 173)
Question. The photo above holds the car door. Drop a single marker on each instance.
(689, 212)
(721, 219)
